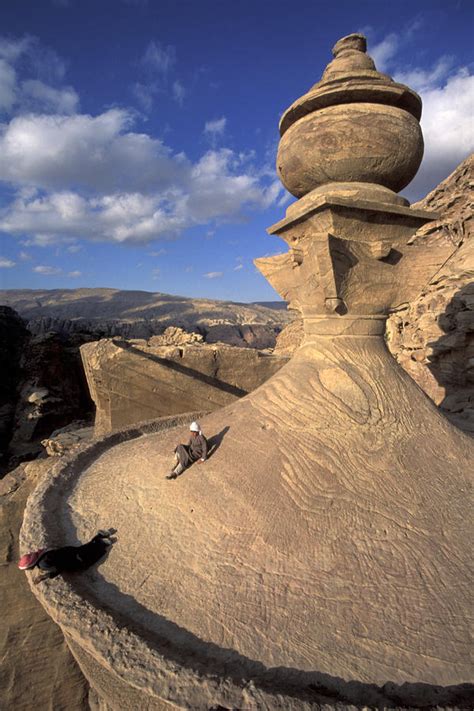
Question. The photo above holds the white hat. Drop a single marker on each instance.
(195, 427)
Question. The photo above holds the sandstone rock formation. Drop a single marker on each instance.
(105, 313)
(52, 393)
(37, 669)
(320, 556)
(290, 338)
(68, 439)
(433, 337)
(132, 381)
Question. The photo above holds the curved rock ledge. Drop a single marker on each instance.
(134, 664)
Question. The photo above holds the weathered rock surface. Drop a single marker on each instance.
(140, 314)
(433, 337)
(132, 381)
(356, 124)
(174, 336)
(52, 393)
(68, 439)
(290, 338)
(37, 669)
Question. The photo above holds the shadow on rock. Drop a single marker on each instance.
(208, 659)
(215, 441)
(451, 359)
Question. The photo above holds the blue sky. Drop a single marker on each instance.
(138, 139)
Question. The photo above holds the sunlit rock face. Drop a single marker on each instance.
(133, 381)
(320, 555)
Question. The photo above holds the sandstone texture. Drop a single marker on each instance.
(68, 439)
(37, 668)
(433, 337)
(320, 556)
(105, 313)
(290, 339)
(51, 393)
(132, 381)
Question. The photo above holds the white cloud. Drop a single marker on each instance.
(74, 248)
(238, 267)
(156, 76)
(179, 92)
(144, 94)
(24, 256)
(156, 273)
(447, 93)
(447, 124)
(36, 93)
(158, 58)
(92, 177)
(46, 270)
(157, 253)
(96, 153)
(6, 263)
(213, 275)
(75, 274)
(383, 52)
(422, 80)
(215, 127)
(7, 86)
(12, 49)
(213, 189)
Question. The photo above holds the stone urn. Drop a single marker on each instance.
(355, 125)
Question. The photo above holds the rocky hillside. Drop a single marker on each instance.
(43, 387)
(141, 314)
(433, 337)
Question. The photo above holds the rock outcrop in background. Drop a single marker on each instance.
(45, 387)
(135, 380)
(433, 337)
(50, 392)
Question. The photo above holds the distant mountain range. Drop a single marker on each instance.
(138, 314)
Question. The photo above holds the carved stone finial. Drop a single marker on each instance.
(355, 41)
(354, 126)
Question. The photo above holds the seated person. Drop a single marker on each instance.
(194, 451)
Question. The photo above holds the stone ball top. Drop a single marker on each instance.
(355, 41)
(352, 77)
